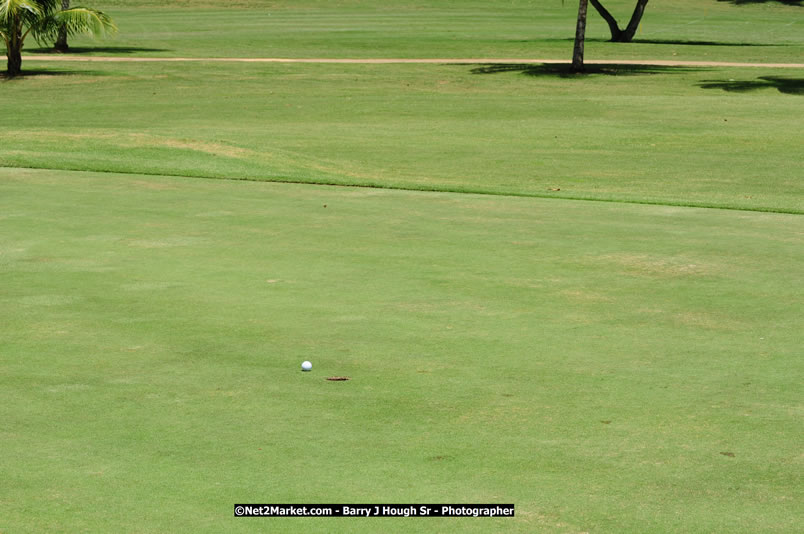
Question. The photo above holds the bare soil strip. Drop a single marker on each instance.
(380, 61)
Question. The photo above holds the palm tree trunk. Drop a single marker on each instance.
(14, 61)
(580, 36)
(14, 48)
(61, 41)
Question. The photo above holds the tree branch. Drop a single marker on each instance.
(636, 17)
(614, 28)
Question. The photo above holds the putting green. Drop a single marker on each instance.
(605, 367)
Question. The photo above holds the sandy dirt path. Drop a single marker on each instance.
(462, 61)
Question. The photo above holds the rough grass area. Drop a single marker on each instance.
(605, 367)
(670, 135)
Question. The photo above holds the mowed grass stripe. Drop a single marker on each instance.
(686, 30)
(666, 135)
(446, 61)
(604, 367)
(554, 196)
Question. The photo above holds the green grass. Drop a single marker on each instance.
(630, 365)
(660, 135)
(683, 29)
(590, 362)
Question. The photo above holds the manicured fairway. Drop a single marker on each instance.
(704, 136)
(673, 135)
(682, 29)
(606, 367)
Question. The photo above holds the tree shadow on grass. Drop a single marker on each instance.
(790, 86)
(678, 42)
(564, 70)
(32, 73)
(701, 43)
(100, 49)
(797, 3)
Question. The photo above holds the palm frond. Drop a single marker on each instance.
(10, 8)
(87, 20)
(75, 20)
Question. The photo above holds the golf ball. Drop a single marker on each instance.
(306, 366)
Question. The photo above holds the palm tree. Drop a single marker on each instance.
(43, 19)
(580, 37)
(61, 40)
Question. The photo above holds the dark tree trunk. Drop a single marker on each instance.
(618, 35)
(61, 41)
(14, 47)
(633, 24)
(580, 36)
(14, 62)
(614, 28)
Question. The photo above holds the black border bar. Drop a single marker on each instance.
(374, 510)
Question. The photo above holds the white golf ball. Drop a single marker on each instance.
(306, 366)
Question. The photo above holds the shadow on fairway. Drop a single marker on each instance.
(564, 70)
(30, 73)
(790, 86)
(797, 3)
(678, 42)
(701, 43)
(98, 49)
